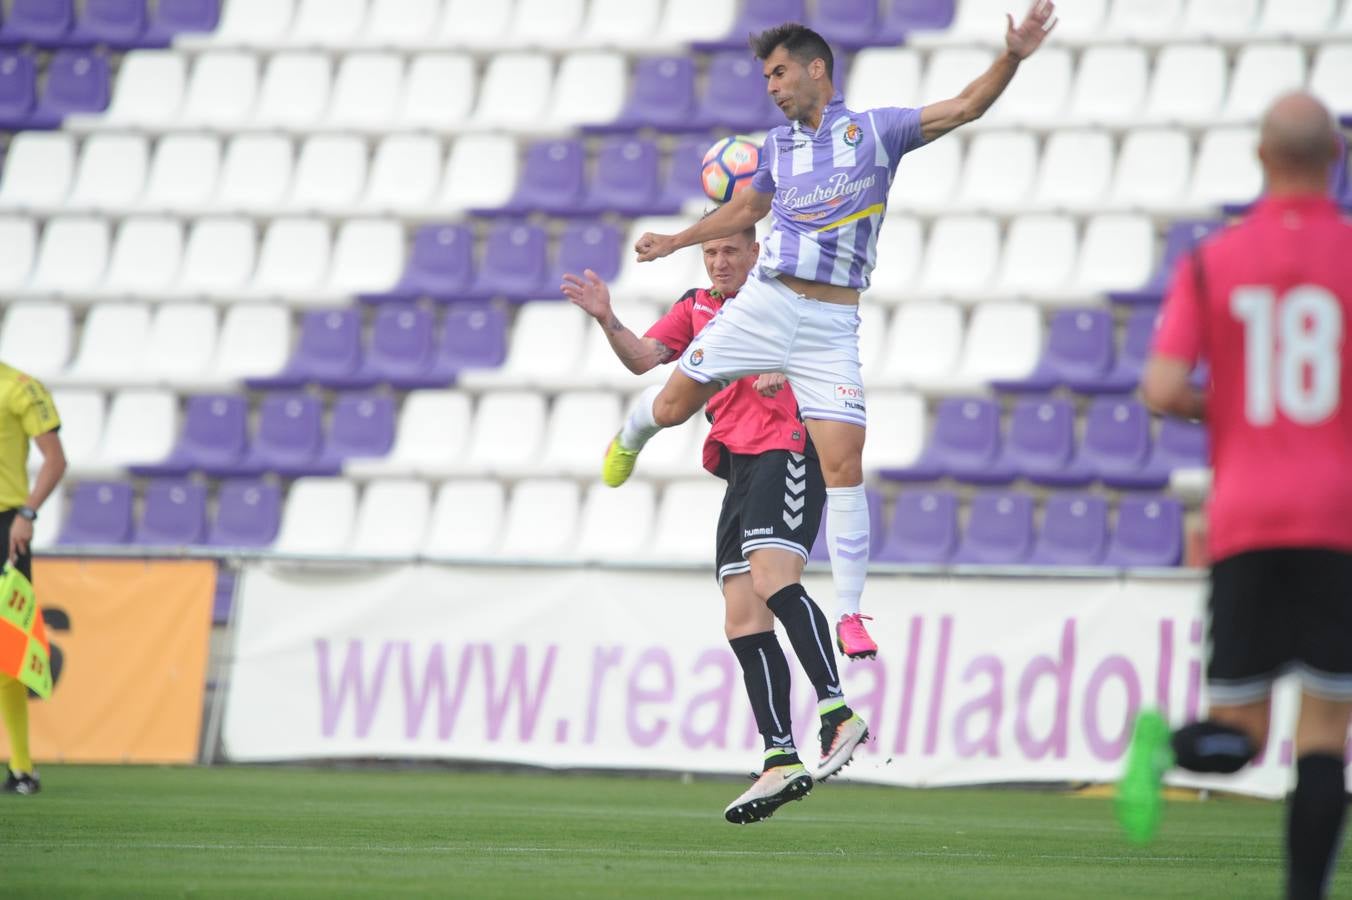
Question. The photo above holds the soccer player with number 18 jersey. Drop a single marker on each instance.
(1268, 303)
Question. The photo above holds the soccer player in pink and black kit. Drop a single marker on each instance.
(825, 177)
(1268, 303)
(770, 516)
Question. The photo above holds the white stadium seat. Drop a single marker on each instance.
(900, 250)
(18, 250)
(1075, 170)
(72, 257)
(686, 518)
(401, 23)
(694, 20)
(1110, 86)
(1004, 340)
(896, 430)
(999, 172)
(1151, 20)
(515, 91)
(1263, 72)
(39, 169)
(1085, 25)
(183, 173)
(82, 415)
(581, 424)
(473, 23)
(36, 337)
(330, 174)
(616, 525)
(404, 174)
(112, 347)
(222, 91)
(469, 182)
(1330, 78)
(508, 429)
(256, 174)
(975, 21)
(546, 339)
(1227, 169)
(1296, 18)
(112, 172)
(654, 280)
(1188, 85)
(1153, 170)
(466, 519)
(590, 88)
(141, 427)
(1117, 253)
(293, 260)
(392, 519)
(960, 257)
(438, 92)
(951, 69)
(884, 76)
(327, 23)
(541, 520)
(182, 343)
(1038, 96)
(318, 517)
(872, 336)
(1213, 19)
(254, 341)
(675, 452)
(368, 256)
(600, 367)
(149, 92)
(1039, 255)
(366, 91)
(620, 23)
(295, 91)
(145, 258)
(1344, 24)
(48, 526)
(218, 259)
(433, 430)
(547, 23)
(927, 178)
(922, 346)
(246, 23)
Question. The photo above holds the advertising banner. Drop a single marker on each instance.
(131, 638)
(977, 679)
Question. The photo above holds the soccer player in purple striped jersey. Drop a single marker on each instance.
(824, 177)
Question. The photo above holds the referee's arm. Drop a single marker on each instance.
(49, 475)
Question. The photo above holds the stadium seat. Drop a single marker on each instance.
(974, 22)
(43, 22)
(99, 513)
(924, 529)
(734, 96)
(692, 21)
(883, 76)
(112, 346)
(1117, 253)
(1263, 72)
(1296, 18)
(619, 24)
(616, 525)
(440, 266)
(1038, 257)
(287, 440)
(902, 18)
(38, 172)
(1220, 19)
(1153, 170)
(438, 92)
(145, 259)
(1330, 77)
(248, 514)
(247, 23)
(18, 89)
(330, 175)
(1181, 237)
(474, 336)
(466, 520)
(1129, 362)
(514, 93)
(254, 342)
(78, 82)
(927, 178)
(755, 16)
(18, 249)
(998, 176)
(149, 92)
(328, 352)
(140, 428)
(214, 437)
(1227, 169)
(999, 530)
(662, 280)
(1149, 532)
(541, 520)
(675, 452)
(514, 264)
(871, 335)
(401, 351)
(118, 24)
(1074, 531)
(361, 427)
(960, 258)
(294, 93)
(1074, 172)
(552, 180)
(218, 259)
(82, 415)
(508, 430)
(222, 91)
(182, 344)
(662, 95)
(1037, 97)
(897, 434)
(546, 339)
(468, 184)
(392, 519)
(681, 186)
(433, 431)
(686, 517)
(922, 346)
(1004, 340)
(326, 23)
(1041, 440)
(590, 87)
(1110, 86)
(1188, 86)
(1079, 346)
(398, 24)
(600, 367)
(1116, 439)
(47, 529)
(471, 23)
(847, 25)
(37, 336)
(552, 24)
(363, 90)
(1180, 445)
(255, 175)
(579, 423)
(899, 252)
(367, 257)
(173, 514)
(950, 69)
(965, 444)
(318, 518)
(1145, 20)
(111, 173)
(630, 185)
(183, 173)
(587, 245)
(292, 261)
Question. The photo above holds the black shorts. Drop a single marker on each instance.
(1277, 611)
(774, 500)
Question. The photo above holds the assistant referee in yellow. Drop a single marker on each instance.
(26, 413)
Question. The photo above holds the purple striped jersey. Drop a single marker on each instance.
(830, 191)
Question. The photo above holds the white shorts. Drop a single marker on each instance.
(768, 327)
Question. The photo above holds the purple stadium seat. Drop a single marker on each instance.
(901, 17)
(1125, 374)
(248, 514)
(401, 351)
(628, 184)
(77, 82)
(846, 24)
(682, 182)
(1074, 531)
(999, 530)
(41, 22)
(965, 445)
(440, 266)
(288, 440)
(362, 426)
(663, 97)
(734, 96)
(329, 351)
(820, 552)
(215, 433)
(1041, 442)
(1149, 533)
(757, 15)
(100, 513)
(174, 17)
(18, 89)
(114, 23)
(924, 529)
(514, 265)
(474, 336)
(1182, 237)
(1079, 347)
(174, 514)
(552, 181)
(588, 245)
(1181, 445)
(1116, 439)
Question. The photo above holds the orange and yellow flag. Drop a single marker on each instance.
(24, 651)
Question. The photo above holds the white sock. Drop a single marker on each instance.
(847, 540)
(639, 425)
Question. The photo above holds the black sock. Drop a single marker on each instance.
(810, 635)
(1212, 747)
(766, 673)
(1314, 825)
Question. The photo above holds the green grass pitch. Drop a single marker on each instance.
(270, 832)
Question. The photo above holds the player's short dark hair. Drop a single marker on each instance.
(801, 42)
(749, 232)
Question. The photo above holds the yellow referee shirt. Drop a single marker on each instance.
(26, 411)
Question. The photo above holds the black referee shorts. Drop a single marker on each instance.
(24, 563)
(1277, 611)
(774, 501)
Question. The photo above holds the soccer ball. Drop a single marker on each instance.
(728, 167)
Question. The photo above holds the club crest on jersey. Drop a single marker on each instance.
(696, 357)
(853, 134)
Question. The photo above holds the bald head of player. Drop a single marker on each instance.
(798, 66)
(1297, 145)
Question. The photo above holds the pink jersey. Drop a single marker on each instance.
(1269, 310)
(743, 420)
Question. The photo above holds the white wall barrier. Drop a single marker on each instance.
(978, 679)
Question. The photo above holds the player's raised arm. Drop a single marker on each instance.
(938, 119)
(590, 294)
(745, 209)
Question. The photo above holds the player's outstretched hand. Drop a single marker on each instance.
(771, 383)
(1023, 39)
(589, 293)
(653, 246)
